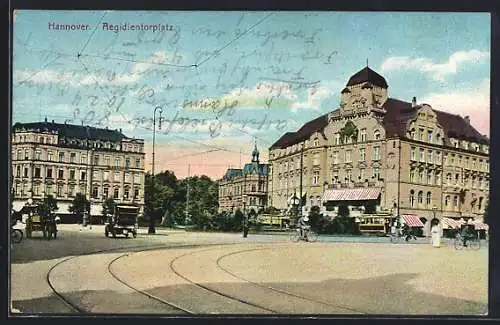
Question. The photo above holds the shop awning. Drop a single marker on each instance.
(412, 220)
(479, 225)
(352, 194)
(452, 223)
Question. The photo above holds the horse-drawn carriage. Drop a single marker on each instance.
(122, 222)
(39, 220)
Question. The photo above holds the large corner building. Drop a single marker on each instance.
(61, 160)
(245, 189)
(376, 155)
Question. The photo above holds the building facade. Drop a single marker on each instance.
(245, 189)
(61, 160)
(376, 154)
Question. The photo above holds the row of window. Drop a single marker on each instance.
(33, 138)
(58, 191)
(426, 135)
(430, 156)
(72, 175)
(286, 182)
(237, 190)
(72, 158)
(447, 201)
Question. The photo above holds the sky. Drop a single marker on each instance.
(220, 82)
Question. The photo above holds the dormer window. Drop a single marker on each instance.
(362, 135)
(376, 135)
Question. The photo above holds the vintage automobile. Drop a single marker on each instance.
(122, 222)
(38, 221)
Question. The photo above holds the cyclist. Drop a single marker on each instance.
(467, 234)
(303, 225)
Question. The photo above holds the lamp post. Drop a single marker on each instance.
(295, 204)
(245, 221)
(152, 229)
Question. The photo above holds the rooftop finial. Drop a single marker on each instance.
(367, 62)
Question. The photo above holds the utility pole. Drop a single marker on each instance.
(301, 173)
(152, 229)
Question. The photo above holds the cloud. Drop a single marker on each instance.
(474, 103)
(436, 70)
(316, 96)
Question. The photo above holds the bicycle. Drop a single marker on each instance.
(472, 242)
(16, 236)
(309, 235)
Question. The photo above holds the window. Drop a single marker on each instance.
(376, 135)
(337, 139)
(455, 201)
(412, 198)
(430, 156)
(421, 134)
(347, 156)
(452, 160)
(413, 153)
(362, 135)
(48, 189)
(421, 176)
(19, 154)
(137, 178)
(61, 156)
(105, 192)
(95, 192)
(253, 188)
(137, 162)
(117, 162)
(480, 203)
(473, 181)
(316, 142)
(428, 199)
(376, 173)
(429, 136)
(348, 176)
(83, 175)
(71, 190)
(49, 156)
(37, 172)
(95, 175)
(106, 175)
(429, 178)
(116, 192)
(18, 171)
(315, 179)
(438, 157)
(25, 172)
(72, 174)
(457, 178)
(96, 160)
(36, 189)
(376, 153)
(448, 179)
(422, 155)
(420, 198)
(412, 175)
(27, 154)
(38, 155)
(335, 158)
(83, 159)
(362, 154)
(48, 173)
(126, 193)
(116, 176)
(59, 190)
(72, 157)
(362, 174)
(127, 178)
(136, 193)
(106, 161)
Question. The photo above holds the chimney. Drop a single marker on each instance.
(467, 119)
(53, 122)
(45, 119)
(414, 102)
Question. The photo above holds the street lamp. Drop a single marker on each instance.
(295, 204)
(152, 229)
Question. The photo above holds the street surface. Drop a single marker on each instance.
(181, 273)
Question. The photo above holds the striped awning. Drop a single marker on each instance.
(412, 220)
(479, 225)
(452, 223)
(352, 194)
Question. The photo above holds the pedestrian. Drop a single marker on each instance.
(436, 235)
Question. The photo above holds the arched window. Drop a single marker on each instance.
(447, 200)
(116, 193)
(455, 201)
(376, 135)
(420, 197)
(95, 192)
(412, 198)
(428, 199)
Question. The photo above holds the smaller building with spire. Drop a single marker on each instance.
(244, 188)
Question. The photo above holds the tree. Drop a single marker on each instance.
(48, 206)
(79, 206)
(108, 207)
(315, 218)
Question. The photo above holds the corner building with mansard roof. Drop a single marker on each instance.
(377, 155)
(61, 160)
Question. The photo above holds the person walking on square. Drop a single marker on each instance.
(435, 233)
